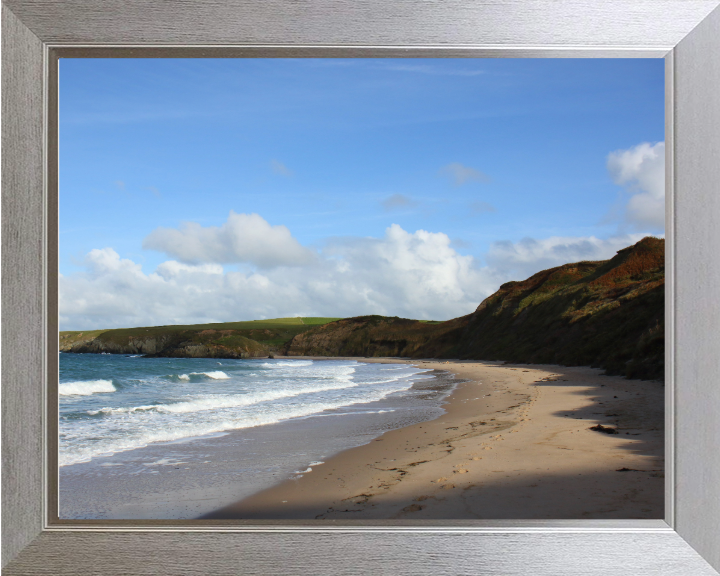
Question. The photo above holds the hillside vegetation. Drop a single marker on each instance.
(607, 314)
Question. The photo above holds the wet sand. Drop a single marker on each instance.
(515, 443)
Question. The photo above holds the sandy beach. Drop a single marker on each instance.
(515, 442)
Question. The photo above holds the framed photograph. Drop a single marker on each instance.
(36, 539)
(290, 321)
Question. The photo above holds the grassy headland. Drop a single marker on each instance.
(251, 339)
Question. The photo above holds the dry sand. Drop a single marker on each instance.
(515, 442)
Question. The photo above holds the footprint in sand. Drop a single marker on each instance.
(413, 508)
(461, 471)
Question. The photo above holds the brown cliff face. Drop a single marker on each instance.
(607, 314)
(368, 336)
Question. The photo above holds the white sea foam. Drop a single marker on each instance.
(292, 389)
(165, 462)
(294, 363)
(215, 374)
(85, 387)
(142, 433)
(216, 401)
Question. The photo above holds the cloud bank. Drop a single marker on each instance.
(408, 274)
(415, 275)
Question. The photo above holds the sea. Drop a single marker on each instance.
(177, 438)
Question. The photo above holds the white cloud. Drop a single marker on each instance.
(461, 174)
(416, 275)
(520, 260)
(100, 262)
(413, 275)
(243, 238)
(641, 170)
(172, 269)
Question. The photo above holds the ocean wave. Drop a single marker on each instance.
(215, 374)
(153, 415)
(151, 431)
(85, 387)
(294, 363)
(219, 401)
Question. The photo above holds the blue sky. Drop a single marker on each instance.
(214, 190)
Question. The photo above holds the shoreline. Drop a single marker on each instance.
(514, 442)
(194, 475)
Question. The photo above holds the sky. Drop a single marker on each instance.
(217, 190)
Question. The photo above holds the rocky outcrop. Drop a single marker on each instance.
(188, 344)
(150, 345)
(241, 348)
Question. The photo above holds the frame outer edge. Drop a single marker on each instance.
(370, 22)
(22, 280)
(697, 210)
(24, 236)
(348, 554)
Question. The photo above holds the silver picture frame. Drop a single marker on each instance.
(35, 34)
